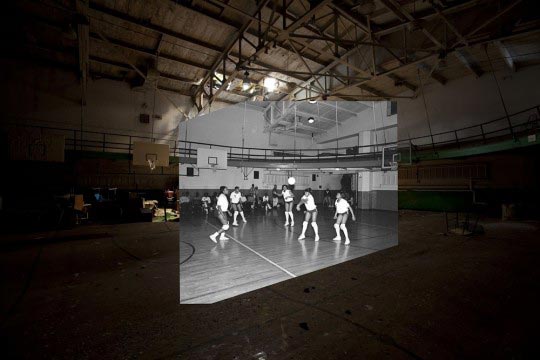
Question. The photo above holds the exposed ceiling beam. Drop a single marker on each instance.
(148, 25)
(464, 56)
(399, 81)
(386, 73)
(293, 72)
(340, 59)
(429, 15)
(126, 67)
(431, 72)
(403, 14)
(313, 28)
(283, 34)
(490, 20)
(236, 25)
(507, 56)
(398, 10)
(173, 34)
(449, 24)
(150, 52)
(300, 22)
(238, 34)
(347, 14)
(467, 59)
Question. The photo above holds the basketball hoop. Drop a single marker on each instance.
(151, 164)
(394, 165)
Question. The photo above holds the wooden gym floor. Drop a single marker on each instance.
(263, 251)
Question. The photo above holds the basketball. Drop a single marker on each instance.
(291, 181)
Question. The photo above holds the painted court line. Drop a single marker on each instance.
(256, 253)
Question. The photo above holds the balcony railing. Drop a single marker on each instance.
(513, 125)
(507, 126)
(77, 140)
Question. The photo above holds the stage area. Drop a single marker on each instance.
(262, 251)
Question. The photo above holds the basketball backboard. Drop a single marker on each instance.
(405, 151)
(157, 154)
(211, 159)
(390, 157)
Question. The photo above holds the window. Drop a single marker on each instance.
(391, 108)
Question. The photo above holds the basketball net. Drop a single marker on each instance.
(151, 164)
(214, 168)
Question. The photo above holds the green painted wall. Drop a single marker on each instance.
(433, 200)
(456, 152)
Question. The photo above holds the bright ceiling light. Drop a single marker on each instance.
(246, 84)
(270, 84)
(311, 120)
(312, 101)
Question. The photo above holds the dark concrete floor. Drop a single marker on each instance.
(112, 292)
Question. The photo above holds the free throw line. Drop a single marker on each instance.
(256, 253)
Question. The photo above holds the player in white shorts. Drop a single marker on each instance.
(222, 209)
(206, 201)
(236, 197)
(311, 213)
(266, 202)
(341, 215)
(288, 198)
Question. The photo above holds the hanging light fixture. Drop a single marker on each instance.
(311, 101)
(246, 84)
(311, 120)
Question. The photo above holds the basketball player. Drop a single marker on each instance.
(236, 197)
(266, 202)
(206, 202)
(275, 197)
(341, 215)
(311, 213)
(222, 209)
(288, 198)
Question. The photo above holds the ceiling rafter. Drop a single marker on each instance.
(332, 47)
(236, 38)
(172, 34)
(470, 63)
(508, 58)
(404, 15)
(341, 59)
(520, 33)
(283, 34)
